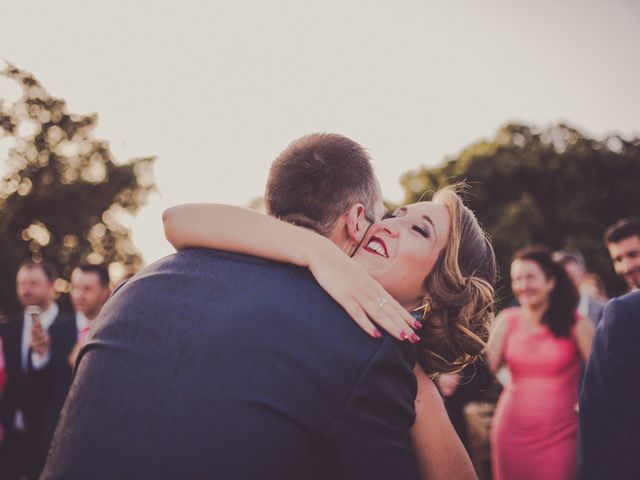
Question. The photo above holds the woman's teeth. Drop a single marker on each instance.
(377, 247)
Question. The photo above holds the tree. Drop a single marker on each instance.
(556, 187)
(63, 196)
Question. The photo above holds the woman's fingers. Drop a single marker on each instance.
(364, 299)
(384, 314)
(403, 315)
(355, 311)
(395, 312)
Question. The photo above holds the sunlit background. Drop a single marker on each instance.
(217, 89)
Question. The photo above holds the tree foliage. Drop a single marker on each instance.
(556, 186)
(63, 196)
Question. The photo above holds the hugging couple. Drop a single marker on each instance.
(243, 355)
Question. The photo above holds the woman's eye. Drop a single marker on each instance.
(422, 231)
(388, 215)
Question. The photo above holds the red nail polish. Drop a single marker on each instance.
(403, 336)
(417, 325)
(415, 338)
(376, 333)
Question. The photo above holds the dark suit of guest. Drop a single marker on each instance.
(213, 365)
(31, 392)
(609, 444)
(57, 374)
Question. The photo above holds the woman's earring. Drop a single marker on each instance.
(424, 309)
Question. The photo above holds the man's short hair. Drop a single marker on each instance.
(47, 268)
(565, 256)
(623, 228)
(319, 177)
(100, 270)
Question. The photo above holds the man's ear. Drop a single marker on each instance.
(356, 223)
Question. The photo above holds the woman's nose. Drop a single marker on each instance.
(389, 230)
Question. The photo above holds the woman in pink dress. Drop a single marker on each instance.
(542, 342)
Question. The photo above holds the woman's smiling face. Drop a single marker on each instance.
(401, 251)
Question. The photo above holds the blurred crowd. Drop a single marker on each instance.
(39, 348)
(538, 349)
(537, 354)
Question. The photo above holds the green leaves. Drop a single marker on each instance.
(554, 186)
(63, 196)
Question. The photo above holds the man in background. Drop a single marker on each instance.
(29, 339)
(89, 290)
(574, 265)
(609, 441)
(623, 242)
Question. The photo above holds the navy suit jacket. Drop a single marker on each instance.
(39, 394)
(609, 443)
(57, 374)
(34, 391)
(214, 365)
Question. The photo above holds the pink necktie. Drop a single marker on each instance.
(84, 332)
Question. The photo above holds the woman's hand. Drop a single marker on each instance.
(363, 298)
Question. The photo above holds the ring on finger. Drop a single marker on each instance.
(382, 303)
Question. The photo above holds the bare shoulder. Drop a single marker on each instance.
(427, 396)
(425, 383)
(504, 318)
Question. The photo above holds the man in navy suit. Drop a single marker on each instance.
(609, 444)
(35, 342)
(215, 365)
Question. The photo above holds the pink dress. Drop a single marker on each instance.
(535, 426)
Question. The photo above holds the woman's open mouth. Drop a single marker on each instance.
(377, 246)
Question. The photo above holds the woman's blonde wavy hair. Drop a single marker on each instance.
(458, 308)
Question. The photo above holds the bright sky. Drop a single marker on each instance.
(216, 89)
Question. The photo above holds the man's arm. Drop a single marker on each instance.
(372, 438)
(496, 341)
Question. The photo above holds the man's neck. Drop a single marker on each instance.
(343, 242)
(90, 315)
(45, 306)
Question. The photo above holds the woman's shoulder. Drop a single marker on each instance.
(509, 315)
(507, 320)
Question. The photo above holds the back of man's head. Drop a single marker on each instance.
(622, 229)
(317, 178)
